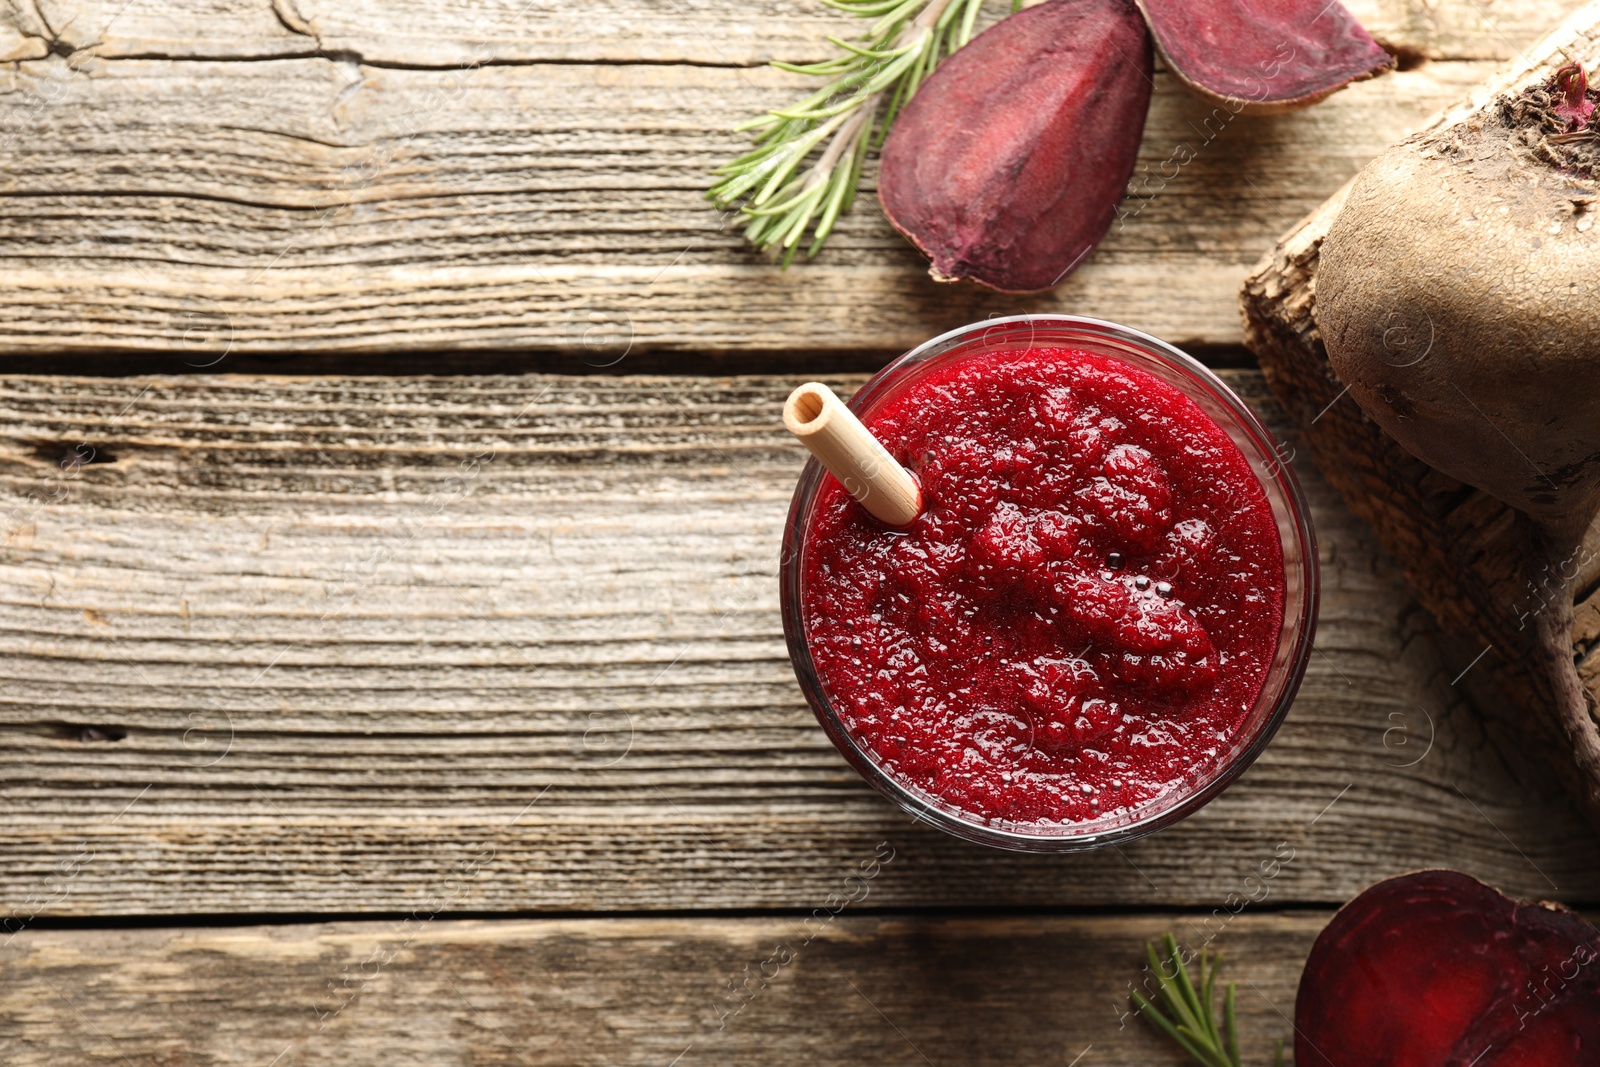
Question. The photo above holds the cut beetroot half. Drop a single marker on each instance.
(1436, 969)
(1263, 55)
(1008, 164)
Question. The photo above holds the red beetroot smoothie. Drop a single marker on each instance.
(1082, 617)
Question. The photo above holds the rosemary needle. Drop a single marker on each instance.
(1190, 1019)
(867, 85)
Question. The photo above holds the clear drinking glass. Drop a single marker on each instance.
(1276, 479)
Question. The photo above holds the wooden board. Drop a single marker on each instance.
(845, 990)
(704, 32)
(293, 648)
(354, 632)
(365, 178)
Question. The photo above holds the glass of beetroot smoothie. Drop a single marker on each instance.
(1101, 613)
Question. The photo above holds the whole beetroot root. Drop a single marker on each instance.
(1474, 242)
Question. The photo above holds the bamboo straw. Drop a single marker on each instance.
(816, 415)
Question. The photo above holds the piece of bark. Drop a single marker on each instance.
(1468, 556)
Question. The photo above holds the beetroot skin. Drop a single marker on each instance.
(1436, 969)
(1263, 55)
(1008, 164)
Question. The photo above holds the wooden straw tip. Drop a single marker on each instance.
(808, 407)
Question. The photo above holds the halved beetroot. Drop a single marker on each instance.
(1436, 969)
(1261, 56)
(1008, 164)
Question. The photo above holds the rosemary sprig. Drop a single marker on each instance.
(867, 86)
(1193, 1019)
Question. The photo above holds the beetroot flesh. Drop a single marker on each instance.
(1436, 969)
(1263, 55)
(1008, 164)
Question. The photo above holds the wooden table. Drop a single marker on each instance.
(391, 497)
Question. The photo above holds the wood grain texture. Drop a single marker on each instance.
(712, 32)
(359, 178)
(354, 632)
(848, 990)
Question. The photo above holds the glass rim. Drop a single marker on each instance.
(1302, 607)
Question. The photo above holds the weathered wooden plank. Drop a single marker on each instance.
(318, 203)
(845, 990)
(717, 32)
(353, 632)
